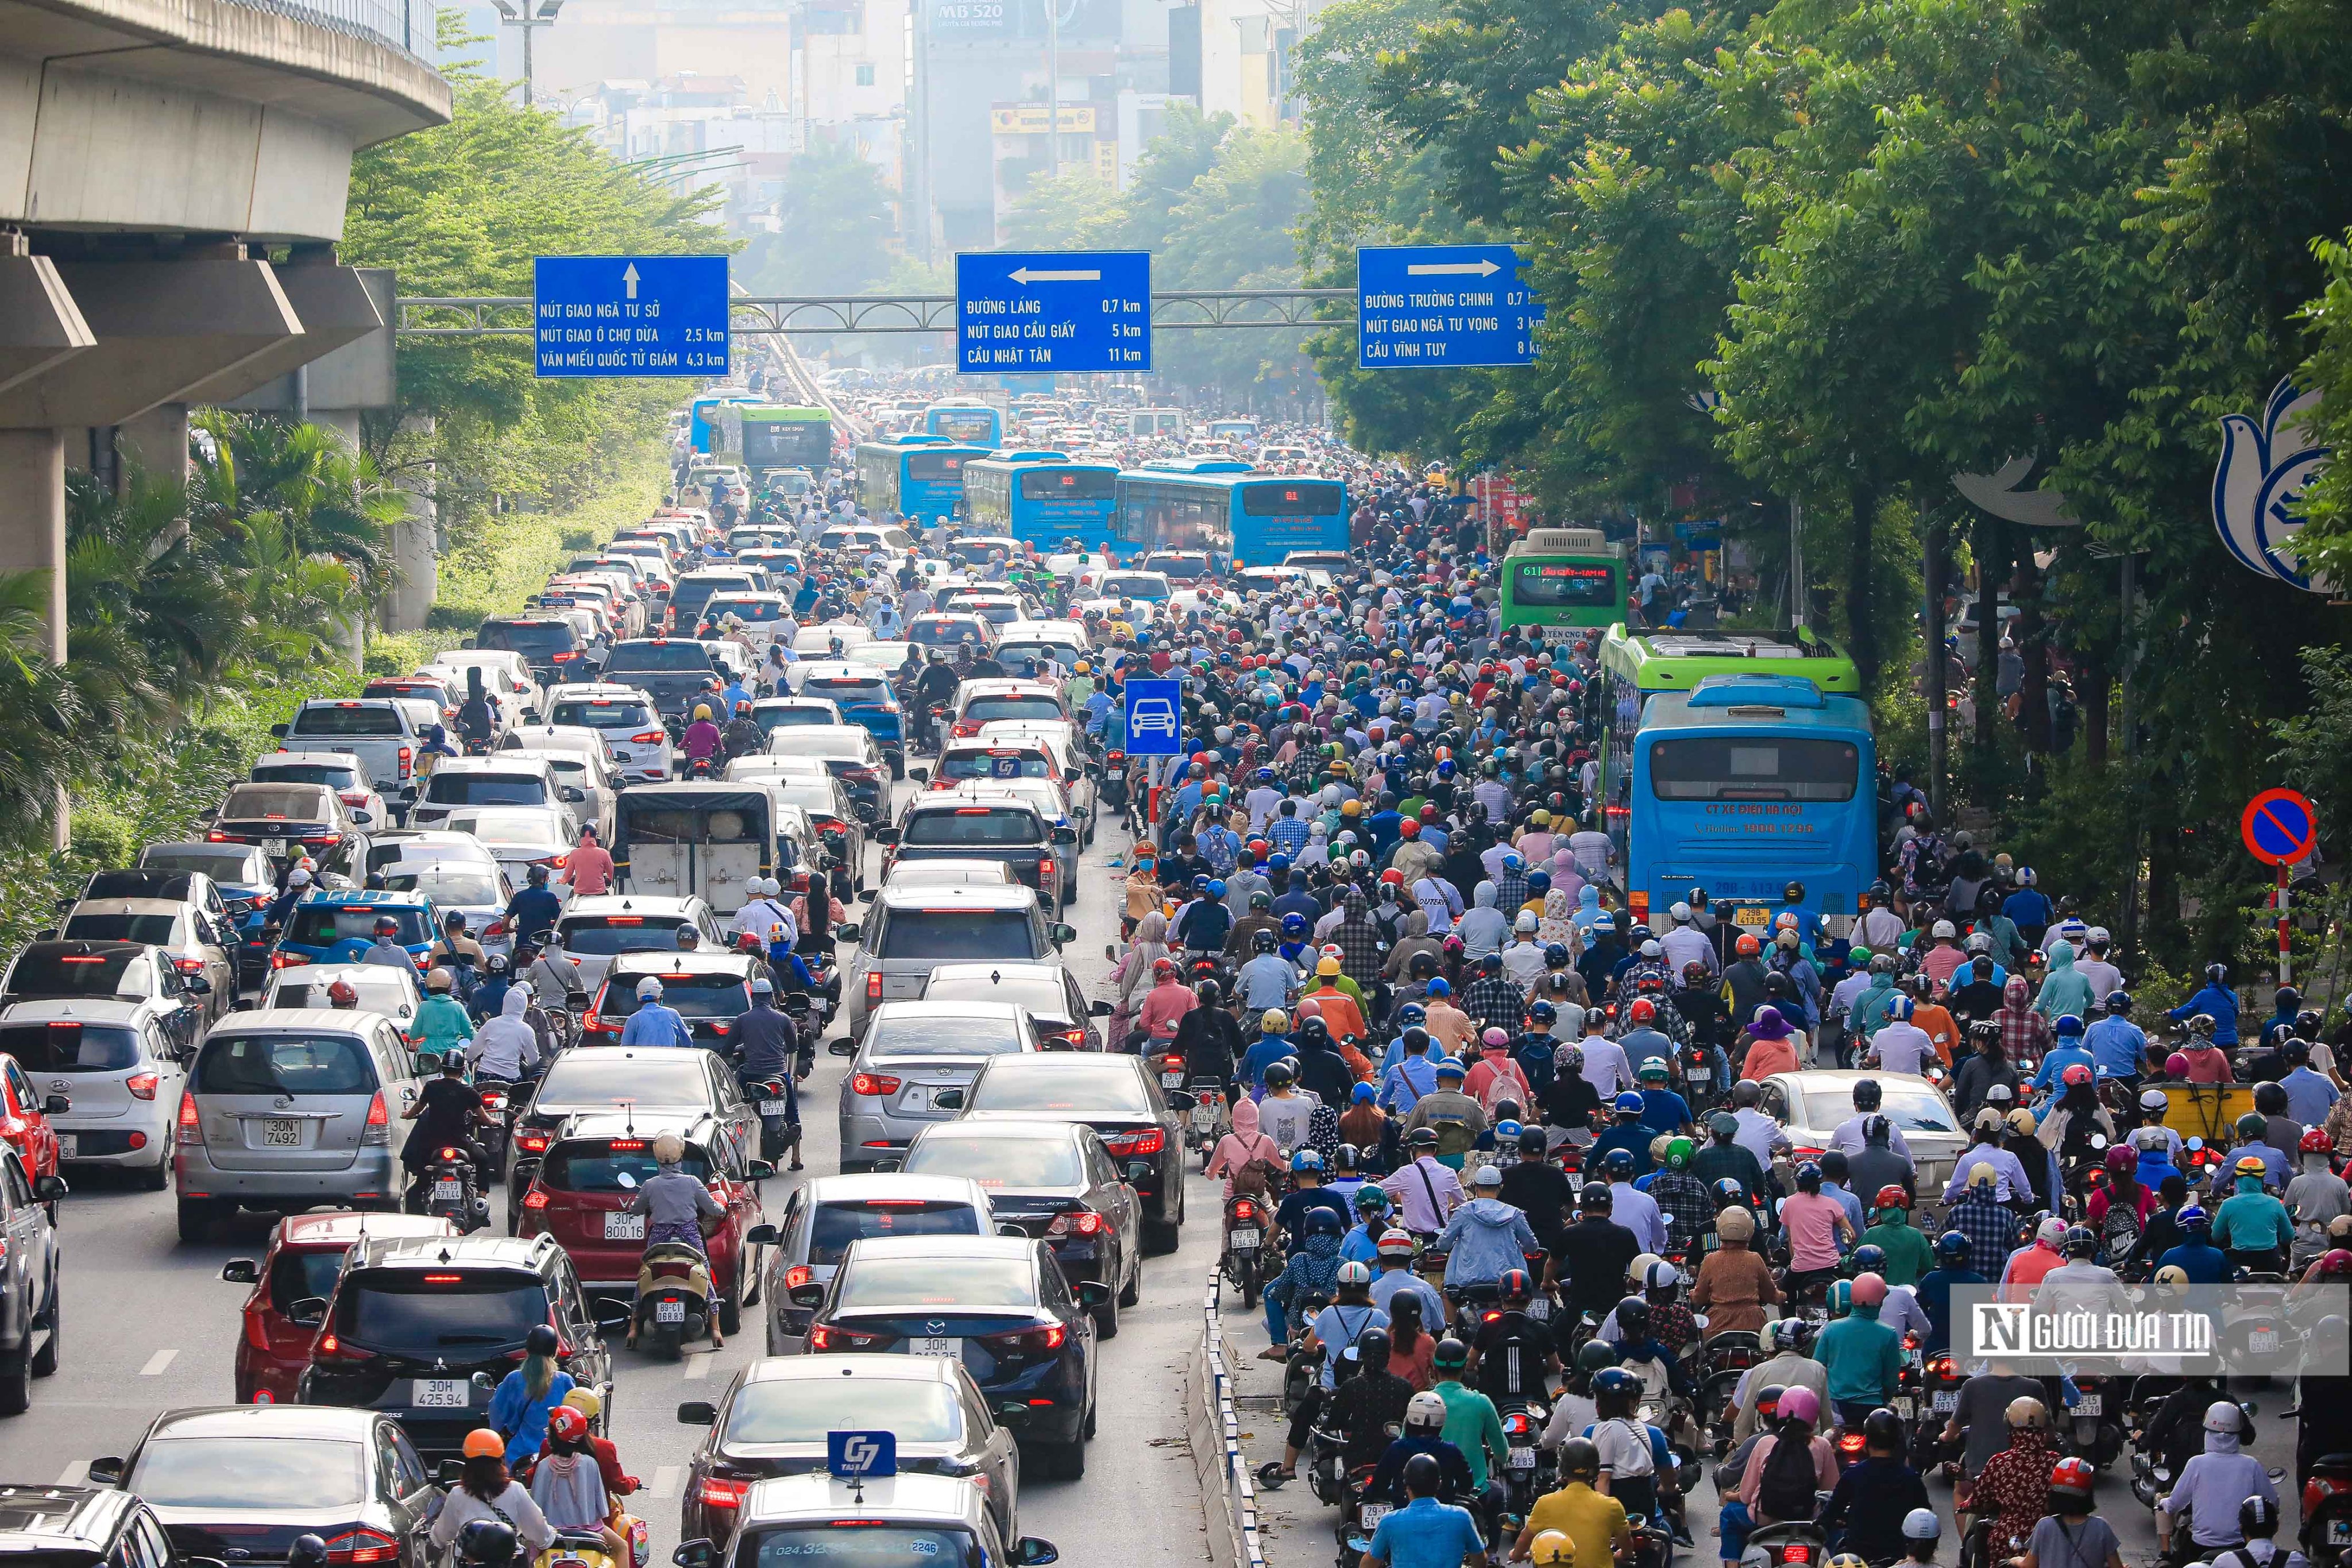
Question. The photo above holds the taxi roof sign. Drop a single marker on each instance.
(861, 1456)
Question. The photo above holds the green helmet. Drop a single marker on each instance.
(1678, 1155)
(2251, 1127)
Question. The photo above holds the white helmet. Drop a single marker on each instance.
(1681, 912)
(300, 879)
(2222, 1416)
(1426, 1410)
(1651, 949)
(1525, 923)
(1944, 928)
(2052, 1230)
(649, 989)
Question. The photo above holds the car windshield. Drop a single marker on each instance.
(332, 775)
(277, 803)
(671, 656)
(68, 972)
(386, 996)
(601, 936)
(61, 1046)
(805, 1409)
(274, 1064)
(813, 796)
(605, 713)
(895, 1544)
(690, 996)
(597, 1164)
(586, 1079)
(353, 720)
(948, 1282)
(427, 1314)
(929, 1034)
(996, 1162)
(977, 826)
(1075, 1088)
(448, 882)
(231, 866)
(945, 631)
(487, 789)
(249, 1473)
(163, 930)
(528, 636)
(1912, 1107)
(996, 763)
(947, 936)
(835, 1225)
(325, 924)
(1121, 586)
(780, 718)
(1015, 706)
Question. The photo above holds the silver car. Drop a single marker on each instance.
(625, 717)
(912, 930)
(824, 1215)
(119, 1065)
(912, 1068)
(290, 1108)
(1812, 1105)
(393, 993)
(591, 931)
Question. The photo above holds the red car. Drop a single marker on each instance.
(304, 1261)
(24, 1121)
(578, 1199)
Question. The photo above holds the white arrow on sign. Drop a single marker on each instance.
(629, 276)
(1024, 275)
(1452, 268)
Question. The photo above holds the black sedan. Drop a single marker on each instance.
(1117, 1097)
(238, 1483)
(997, 1304)
(774, 1421)
(1055, 1180)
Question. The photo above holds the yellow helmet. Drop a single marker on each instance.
(1552, 1546)
(702, 711)
(481, 1443)
(1326, 965)
(586, 1401)
(1273, 1021)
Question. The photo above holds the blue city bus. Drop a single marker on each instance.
(972, 423)
(1742, 785)
(1042, 499)
(703, 431)
(1223, 506)
(917, 478)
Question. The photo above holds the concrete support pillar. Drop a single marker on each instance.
(155, 442)
(33, 537)
(415, 552)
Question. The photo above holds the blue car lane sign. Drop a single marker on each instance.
(629, 316)
(862, 1455)
(1433, 305)
(1155, 719)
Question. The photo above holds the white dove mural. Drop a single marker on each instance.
(2264, 469)
(1997, 492)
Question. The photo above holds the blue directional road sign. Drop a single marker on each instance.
(1052, 310)
(631, 315)
(862, 1455)
(1419, 305)
(1155, 719)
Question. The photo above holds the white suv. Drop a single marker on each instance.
(627, 720)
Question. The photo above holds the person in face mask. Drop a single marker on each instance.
(2213, 1486)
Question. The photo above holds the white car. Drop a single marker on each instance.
(633, 731)
(583, 770)
(381, 988)
(520, 837)
(1139, 613)
(342, 771)
(117, 1060)
(506, 674)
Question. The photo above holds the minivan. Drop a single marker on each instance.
(911, 930)
(288, 1109)
(500, 779)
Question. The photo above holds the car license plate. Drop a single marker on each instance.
(669, 1311)
(1947, 1402)
(2263, 1342)
(1701, 1077)
(927, 1344)
(1539, 1308)
(1371, 1513)
(281, 1134)
(2090, 1405)
(1171, 1080)
(447, 1190)
(1242, 1240)
(68, 1146)
(624, 1227)
(773, 1108)
(442, 1393)
(274, 846)
(1523, 1458)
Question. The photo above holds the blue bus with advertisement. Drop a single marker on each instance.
(1224, 507)
(1742, 785)
(1042, 499)
(917, 478)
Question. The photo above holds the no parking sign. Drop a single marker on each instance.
(2280, 827)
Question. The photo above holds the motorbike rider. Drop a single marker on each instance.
(485, 1504)
(1422, 1437)
(741, 735)
(1952, 1255)
(1336, 1332)
(388, 951)
(2013, 1485)
(1790, 1366)
(762, 913)
(1735, 1284)
(677, 1208)
(2071, 1535)
(2257, 1521)
(1512, 1356)
(2252, 1227)
(1866, 1513)
(442, 1025)
(1864, 1356)
(1486, 1239)
(445, 1112)
(1312, 1269)
(531, 912)
(1594, 1522)
(764, 1045)
(935, 688)
(569, 1486)
(653, 1024)
(1815, 1224)
(700, 742)
(2197, 1257)
(476, 720)
(1307, 1194)
(2318, 1196)
(1457, 1118)
(1366, 1405)
(506, 1046)
(2213, 1486)
(2081, 1283)
(1593, 1255)
(1790, 1490)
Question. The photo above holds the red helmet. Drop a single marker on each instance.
(1642, 1010)
(2335, 1263)
(343, 993)
(1394, 875)
(2078, 1073)
(1411, 829)
(1892, 1197)
(1748, 946)
(2316, 1142)
(2176, 1065)
(566, 1424)
(1429, 810)
(2073, 1476)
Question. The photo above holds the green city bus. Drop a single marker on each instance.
(783, 436)
(1563, 577)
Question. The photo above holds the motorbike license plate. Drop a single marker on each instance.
(68, 1146)
(1539, 1308)
(1523, 1458)
(1371, 1513)
(442, 1393)
(1242, 1240)
(280, 1134)
(2339, 1529)
(1947, 1402)
(624, 1227)
(2263, 1342)
(772, 1107)
(1171, 1080)
(669, 1311)
(1203, 1118)
(950, 1349)
(2091, 1405)
(1701, 1077)
(447, 1191)
(1906, 1406)
(1751, 916)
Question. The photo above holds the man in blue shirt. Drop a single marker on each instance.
(1426, 1532)
(653, 1024)
(1663, 1111)
(2309, 1095)
(1935, 1288)
(2118, 1046)
(2217, 1002)
(1271, 1045)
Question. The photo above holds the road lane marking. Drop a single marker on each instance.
(666, 1479)
(698, 1369)
(75, 1474)
(157, 1362)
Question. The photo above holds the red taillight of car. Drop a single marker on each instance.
(408, 759)
(563, 658)
(189, 965)
(871, 1083)
(531, 1140)
(1128, 1145)
(592, 1023)
(191, 1129)
(873, 986)
(256, 1328)
(721, 1491)
(286, 961)
(650, 738)
(352, 798)
(1031, 1341)
(1076, 1221)
(1047, 869)
(379, 1114)
(217, 836)
(798, 1275)
(362, 1545)
(141, 1085)
(1073, 1038)
(534, 1199)
(964, 729)
(822, 1337)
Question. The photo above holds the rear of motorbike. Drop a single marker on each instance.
(673, 1304)
(450, 1190)
(1244, 1260)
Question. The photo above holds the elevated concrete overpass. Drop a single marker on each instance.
(173, 179)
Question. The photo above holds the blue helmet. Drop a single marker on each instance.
(1618, 1163)
(1411, 1016)
(1445, 768)
(1217, 888)
(2068, 1024)
(1294, 924)
(2191, 1217)
(1277, 862)
(1438, 987)
(1451, 1066)
(1307, 1160)
(1628, 1103)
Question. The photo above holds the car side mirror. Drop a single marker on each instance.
(761, 1236)
(849, 932)
(758, 1170)
(1013, 1415)
(1092, 1293)
(241, 1271)
(841, 1047)
(47, 933)
(481, 1380)
(697, 1413)
(307, 1312)
(198, 985)
(884, 836)
(1062, 933)
(450, 1473)
(920, 775)
(883, 1167)
(810, 1295)
(1014, 1231)
(1066, 835)
(947, 1100)
(1030, 1551)
(107, 1472)
(572, 794)
(1100, 1009)
(617, 1321)
(1138, 1170)
(49, 1189)
(1179, 1100)
(278, 731)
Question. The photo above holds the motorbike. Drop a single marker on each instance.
(778, 1135)
(1205, 1122)
(586, 1548)
(497, 1123)
(1699, 1078)
(1302, 1367)
(2327, 1512)
(2094, 1428)
(1527, 1474)
(1359, 1517)
(448, 1191)
(1113, 787)
(1725, 1358)
(673, 1303)
(1244, 1260)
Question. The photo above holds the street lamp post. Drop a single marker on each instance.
(529, 15)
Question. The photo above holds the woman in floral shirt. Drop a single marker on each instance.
(2014, 1485)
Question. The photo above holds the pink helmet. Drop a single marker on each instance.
(1799, 1405)
(1310, 1008)
(1495, 1040)
(1869, 1290)
(2123, 1157)
(2176, 1065)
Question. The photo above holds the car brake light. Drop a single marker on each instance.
(378, 1130)
(872, 1084)
(189, 965)
(191, 1129)
(798, 1275)
(534, 1199)
(256, 1329)
(141, 1085)
(80, 958)
(1033, 1341)
(873, 985)
(531, 1142)
(286, 961)
(362, 1545)
(718, 1491)
(1076, 1221)
(1151, 1140)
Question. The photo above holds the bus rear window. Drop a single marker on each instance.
(1291, 501)
(1564, 584)
(1754, 767)
(1067, 484)
(934, 464)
